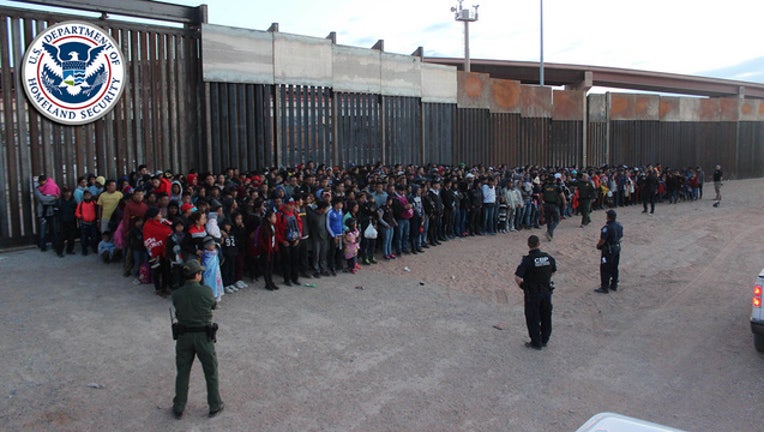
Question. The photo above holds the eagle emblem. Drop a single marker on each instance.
(73, 72)
(73, 67)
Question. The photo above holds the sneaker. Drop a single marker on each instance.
(354, 271)
(228, 289)
(357, 266)
(366, 261)
(316, 275)
(374, 260)
(240, 284)
(601, 290)
(392, 256)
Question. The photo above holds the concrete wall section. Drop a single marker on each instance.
(474, 90)
(689, 109)
(506, 96)
(356, 69)
(709, 110)
(401, 75)
(568, 105)
(598, 108)
(439, 84)
(646, 107)
(751, 110)
(237, 55)
(669, 109)
(622, 106)
(536, 101)
(729, 109)
(302, 60)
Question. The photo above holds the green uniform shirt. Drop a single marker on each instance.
(193, 304)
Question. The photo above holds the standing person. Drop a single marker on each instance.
(86, 216)
(47, 194)
(534, 277)
(701, 180)
(586, 194)
(649, 190)
(351, 240)
(433, 208)
(193, 304)
(489, 206)
(718, 175)
(267, 248)
(155, 234)
(553, 197)
(67, 208)
(107, 203)
(610, 245)
(288, 235)
(404, 211)
(335, 228)
(319, 238)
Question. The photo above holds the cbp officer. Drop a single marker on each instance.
(194, 303)
(610, 246)
(534, 277)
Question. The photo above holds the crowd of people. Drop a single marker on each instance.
(314, 220)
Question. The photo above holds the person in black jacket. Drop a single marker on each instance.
(534, 277)
(449, 205)
(475, 215)
(610, 245)
(67, 207)
(433, 208)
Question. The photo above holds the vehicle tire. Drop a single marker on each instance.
(758, 342)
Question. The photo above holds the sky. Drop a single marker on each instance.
(712, 38)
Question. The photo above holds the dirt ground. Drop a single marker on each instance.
(85, 349)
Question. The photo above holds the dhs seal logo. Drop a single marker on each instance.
(73, 73)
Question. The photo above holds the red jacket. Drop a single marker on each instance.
(265, 245)
(281, 224)
(86, 211)
(155, 235)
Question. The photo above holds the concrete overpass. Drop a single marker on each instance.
(585, 77)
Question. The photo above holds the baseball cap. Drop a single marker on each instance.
(186, 207)
(100, 180)
(192, 267)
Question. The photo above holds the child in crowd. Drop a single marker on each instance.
(212, 276)
(267, 248)
(239, 232)
(230, 251)
(351, 243)
(135, 242)
(106, 247)
(503, 214)
(86, 215)
(175, 254)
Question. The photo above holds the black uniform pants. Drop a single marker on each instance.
(433, 230)
(538, 316)
(609, 270)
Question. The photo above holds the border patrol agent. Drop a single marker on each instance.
(553, 197)
(610, 246)
(534, 276)
(195, 335)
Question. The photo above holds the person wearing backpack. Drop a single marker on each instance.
(288, 235)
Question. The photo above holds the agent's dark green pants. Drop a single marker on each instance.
(187, 346)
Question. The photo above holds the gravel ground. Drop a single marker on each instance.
(417, 350)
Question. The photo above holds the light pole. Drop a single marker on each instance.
(541, 61)
(467, 16)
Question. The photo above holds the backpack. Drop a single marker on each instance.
(292, 229)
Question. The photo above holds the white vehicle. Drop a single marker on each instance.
(757, 314)
(611, 422)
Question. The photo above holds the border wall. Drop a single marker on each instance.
(216, 96)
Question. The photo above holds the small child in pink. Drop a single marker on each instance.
(352, 238)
